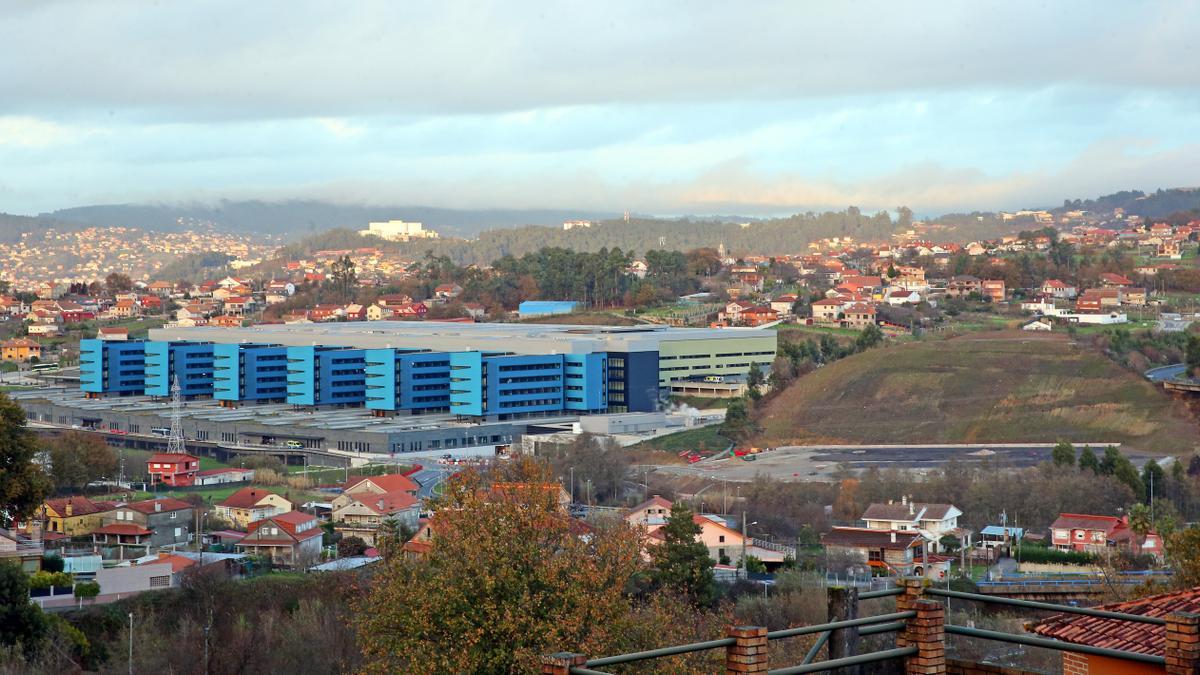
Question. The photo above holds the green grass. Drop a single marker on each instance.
(987, 387)
(14, 387)
(705, 439)
(816, 330)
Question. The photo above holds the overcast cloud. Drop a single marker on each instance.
(654, 107)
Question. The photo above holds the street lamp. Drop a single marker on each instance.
(745, 568)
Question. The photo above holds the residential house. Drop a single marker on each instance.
(355, 312)
(238, 305)
(112, 333)
(827, 311)
(413, 310)
(1000, 537)
(1097, 300)
(379, 312)
(1058, 289)
(993, 289)
(651, 513)
(162, 289)
(726, 544)
(757, 316)
(361, 513)
(126, 309)
(25, 551)
(73, 516)
(897, 553)
(20, 349)
(390, 482)
(11, 306)
(132, 530)
(1038, 305)
(964, 285)
(174, 469)
(1038, 325)
(1125, 636)
(475, 310)
(783, 304)
(1098, 534)
(932, 521)
(251, 504)
(224, 476)
(733, 311)
(447, 291)
(291, 539)
(903, 297)
(326, 313)
(859, 316)
(1111, 280)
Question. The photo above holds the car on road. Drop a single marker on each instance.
(295, 444)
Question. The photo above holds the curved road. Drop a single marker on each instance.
(1163, 373)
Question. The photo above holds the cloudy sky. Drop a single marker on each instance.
(658, 107)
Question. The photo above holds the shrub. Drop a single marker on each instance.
(87, 589)
(1038, 554)
(53, 563)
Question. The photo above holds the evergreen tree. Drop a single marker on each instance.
(1112, 459)
(682, 562)
(21, 622)
(871, 336)
(1063, 454)
(1087, 460)
(737, 423)
(23, 485)
(1153, 474)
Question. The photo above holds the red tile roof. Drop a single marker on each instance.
(246, 498)
(80, 506)
(388, 483)
(127, 529)
(289, 523)
(1078, 521)
(388, 502)
(1124, 635)
(861, 537)
(171, 458)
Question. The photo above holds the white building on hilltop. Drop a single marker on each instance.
(398, 230)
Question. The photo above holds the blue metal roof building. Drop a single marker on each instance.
(534, 308)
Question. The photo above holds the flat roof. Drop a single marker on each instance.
(449, 336)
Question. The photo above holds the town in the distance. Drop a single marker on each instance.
(1008, 416)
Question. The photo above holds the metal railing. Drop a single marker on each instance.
(897, 622)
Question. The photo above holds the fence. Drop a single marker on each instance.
(920, 648)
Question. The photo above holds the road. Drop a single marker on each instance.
(820, 463)
(429, 478)
(1163, 373)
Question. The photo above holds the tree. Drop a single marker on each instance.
(509, 577)
(1193, 354)
(754, 376)
(1153, 476)
(681, 563)
(1111, 460)
(1140, 522)
(351, 546)
(23, 485)
(78, 458)
(118, 283)
(1183, 557)
(343, 276)
(21, 622)
(737, 423)
(1088, 460)
(949, 543)
(871, 336)
(1063, 454)
(597, 463)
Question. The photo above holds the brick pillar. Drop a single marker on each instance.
(749, 653)
(1183, 643)
(927, 633)
(914, 590)
(561, 663)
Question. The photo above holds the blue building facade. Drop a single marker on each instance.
(189, 363)
(112, 367)
(505, 386)
(250, 372)
(321, 375)
(532, 308)
(586, 382)
(412, 380)
(633, 381)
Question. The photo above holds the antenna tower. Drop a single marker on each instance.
(175, 441)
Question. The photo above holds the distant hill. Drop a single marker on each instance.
(12, 226)
(1156, 204)
(296, 219)
(988, 387)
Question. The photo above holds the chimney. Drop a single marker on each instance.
(70, 509)
(893, 533)
(157, 505)
(903, 499)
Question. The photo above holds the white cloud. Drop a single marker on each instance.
(31, 132)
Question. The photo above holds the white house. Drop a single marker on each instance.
(1038, 325)
(903, 297)
(1038, 305)
(932, 521)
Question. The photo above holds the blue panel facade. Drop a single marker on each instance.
(633, 381)
(408, 380)
(504, 386)
(586, 381)
(112, 366)
(189, 363)
(249, 372)
(326, 376)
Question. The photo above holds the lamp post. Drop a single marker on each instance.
(131, 643)
(745, 568)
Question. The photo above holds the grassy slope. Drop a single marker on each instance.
(986, 387)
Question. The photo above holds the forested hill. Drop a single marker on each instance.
(295, 219)
(1157, 204)
(12, 226)
(791, 234)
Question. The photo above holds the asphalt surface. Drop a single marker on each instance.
(1166, 372)
(429, 478)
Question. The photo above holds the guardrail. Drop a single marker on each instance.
(919, 621)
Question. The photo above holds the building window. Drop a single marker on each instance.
(160, 582)
(721, 539)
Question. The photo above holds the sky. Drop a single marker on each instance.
(753, 108)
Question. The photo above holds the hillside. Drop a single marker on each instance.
(986, 387)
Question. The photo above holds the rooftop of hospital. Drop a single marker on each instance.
(451, 336)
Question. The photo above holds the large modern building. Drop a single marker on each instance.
(472, 371)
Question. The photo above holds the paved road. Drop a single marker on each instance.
(1003, 567)
(1166, 372)
(429, 478)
